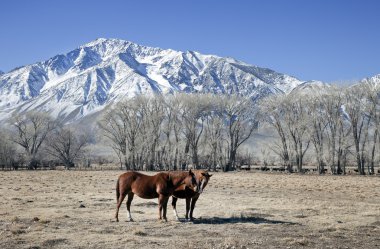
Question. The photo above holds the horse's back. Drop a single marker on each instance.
(144, 186)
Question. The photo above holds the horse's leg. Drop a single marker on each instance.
(187, 207)
(119, 202)
(193, 201)
(129, 201)
(162, 202)
(165, 208)
(174, 205)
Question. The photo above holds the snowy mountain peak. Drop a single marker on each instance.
(105, 71)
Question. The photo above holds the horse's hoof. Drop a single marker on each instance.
(131, 220)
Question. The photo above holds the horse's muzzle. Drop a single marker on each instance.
(199, 189)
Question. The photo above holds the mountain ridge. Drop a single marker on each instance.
(105, 71)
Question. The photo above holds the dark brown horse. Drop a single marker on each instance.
(190, 194)
(161, 186)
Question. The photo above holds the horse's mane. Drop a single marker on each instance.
(176, 174)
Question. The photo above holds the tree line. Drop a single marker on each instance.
(171, 132)
(334, 126)
(41, 140)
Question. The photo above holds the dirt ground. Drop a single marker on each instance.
(75, 209)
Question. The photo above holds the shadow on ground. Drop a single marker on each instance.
(244, 219)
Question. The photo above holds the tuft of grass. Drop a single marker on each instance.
(43, 221)
(139, 232)
(15, 219)
(17, 231)
(53, 242)
(300, 242)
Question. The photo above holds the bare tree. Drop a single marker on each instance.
(66, 145)
(114, 126)
(330, 129)
(195, 109)
(373, 95)
(317, 128)
(152, 111)
(272, 111)
(214, 135)
(7, 151)
(31, 130)
(241, 122)
(355, 107)
(171, 129)
(297, 123)
(176, 104)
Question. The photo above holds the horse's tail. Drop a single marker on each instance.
(117, 190)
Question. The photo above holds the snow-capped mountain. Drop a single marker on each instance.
(105, 71)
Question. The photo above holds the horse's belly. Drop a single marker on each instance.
(146, 195)
(182, 194)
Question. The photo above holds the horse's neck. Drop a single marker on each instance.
(178, 179)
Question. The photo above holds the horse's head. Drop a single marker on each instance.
(202, 179)
(191, 181)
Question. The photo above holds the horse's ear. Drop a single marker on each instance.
(206, 174)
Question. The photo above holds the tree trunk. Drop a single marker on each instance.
(195, 158)
(372, 166)
(231, 160)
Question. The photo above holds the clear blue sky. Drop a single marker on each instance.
(327, 40)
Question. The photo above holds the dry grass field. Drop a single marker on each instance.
(75, 209)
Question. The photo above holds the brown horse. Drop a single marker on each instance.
(191, 195)
(161, 186)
